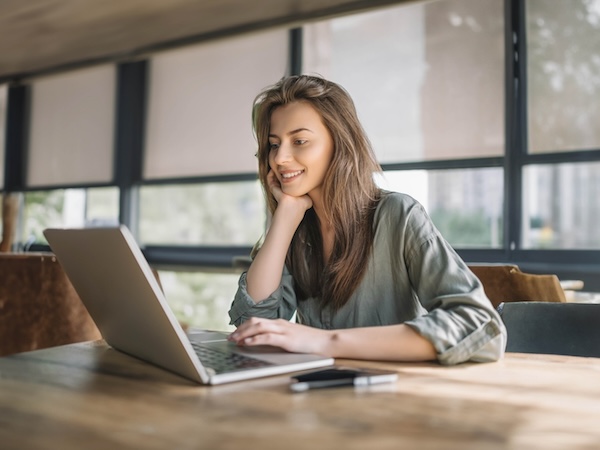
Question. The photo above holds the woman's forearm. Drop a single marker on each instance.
(387, 343)
(264, 274)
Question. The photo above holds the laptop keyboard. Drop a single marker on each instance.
(221, 361)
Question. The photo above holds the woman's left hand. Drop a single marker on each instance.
(289, 336)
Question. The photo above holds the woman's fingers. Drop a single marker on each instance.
(253, 327)
(256, 331)
(274, 185)
(304, 202)
(281, 333)
(274, 339)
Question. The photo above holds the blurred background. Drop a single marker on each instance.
(138, 112)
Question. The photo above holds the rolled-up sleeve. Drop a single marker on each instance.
(461, 322)
(281, 304)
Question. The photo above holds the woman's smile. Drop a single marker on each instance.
(289, 176)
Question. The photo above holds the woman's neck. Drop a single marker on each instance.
(326, 228)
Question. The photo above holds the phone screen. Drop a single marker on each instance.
(329, 374)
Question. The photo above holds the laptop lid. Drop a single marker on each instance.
(119, 290)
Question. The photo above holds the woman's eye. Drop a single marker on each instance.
(300, 141)
(273, 146)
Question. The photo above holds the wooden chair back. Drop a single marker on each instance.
(506, 283)
(39, 307)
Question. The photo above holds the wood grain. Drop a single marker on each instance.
(91, 396)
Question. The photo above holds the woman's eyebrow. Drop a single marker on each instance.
(290, 133)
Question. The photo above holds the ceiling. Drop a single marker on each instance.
(42, 36)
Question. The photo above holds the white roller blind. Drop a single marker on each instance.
(72, 128)
(3, 98)
(427, 78)
(200, 105)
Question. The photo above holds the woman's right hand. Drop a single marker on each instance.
(303, 203)
(264, 274)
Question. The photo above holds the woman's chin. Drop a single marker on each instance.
(294, 192)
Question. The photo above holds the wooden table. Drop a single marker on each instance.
(89, 396)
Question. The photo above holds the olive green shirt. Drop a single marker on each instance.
(414, 277)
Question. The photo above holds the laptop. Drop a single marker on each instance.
(121, 294)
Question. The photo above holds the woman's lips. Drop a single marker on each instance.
(290, 175)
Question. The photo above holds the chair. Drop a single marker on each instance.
(506, 283)
(39, 307)
(552, 328)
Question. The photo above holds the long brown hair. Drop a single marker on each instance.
(350, 194)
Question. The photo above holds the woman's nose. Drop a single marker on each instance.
(283, 154)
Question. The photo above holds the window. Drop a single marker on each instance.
(508, 169)
(469, 214)
(563, 75)
(428, 82)
(559, 196)
(67, 208)
(72, 128)
(199, 129)
(224, 213)
(560, 206)
(200, 299)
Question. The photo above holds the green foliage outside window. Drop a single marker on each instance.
(467, 229)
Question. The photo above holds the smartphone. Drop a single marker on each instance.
(341, 376)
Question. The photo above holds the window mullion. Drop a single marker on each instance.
(17, 120)
(131, 104)
(516, 122)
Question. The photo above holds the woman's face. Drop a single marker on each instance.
(301, 149)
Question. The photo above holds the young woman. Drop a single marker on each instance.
(366, 271)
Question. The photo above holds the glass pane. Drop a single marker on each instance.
(231, 213)
(427, 78)
(3, 100)
(466, 205)
(563, 75)
(200, 299)
(102, 207)
(67, 208)
(200, 105)
(72, 128)
(560, 206)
